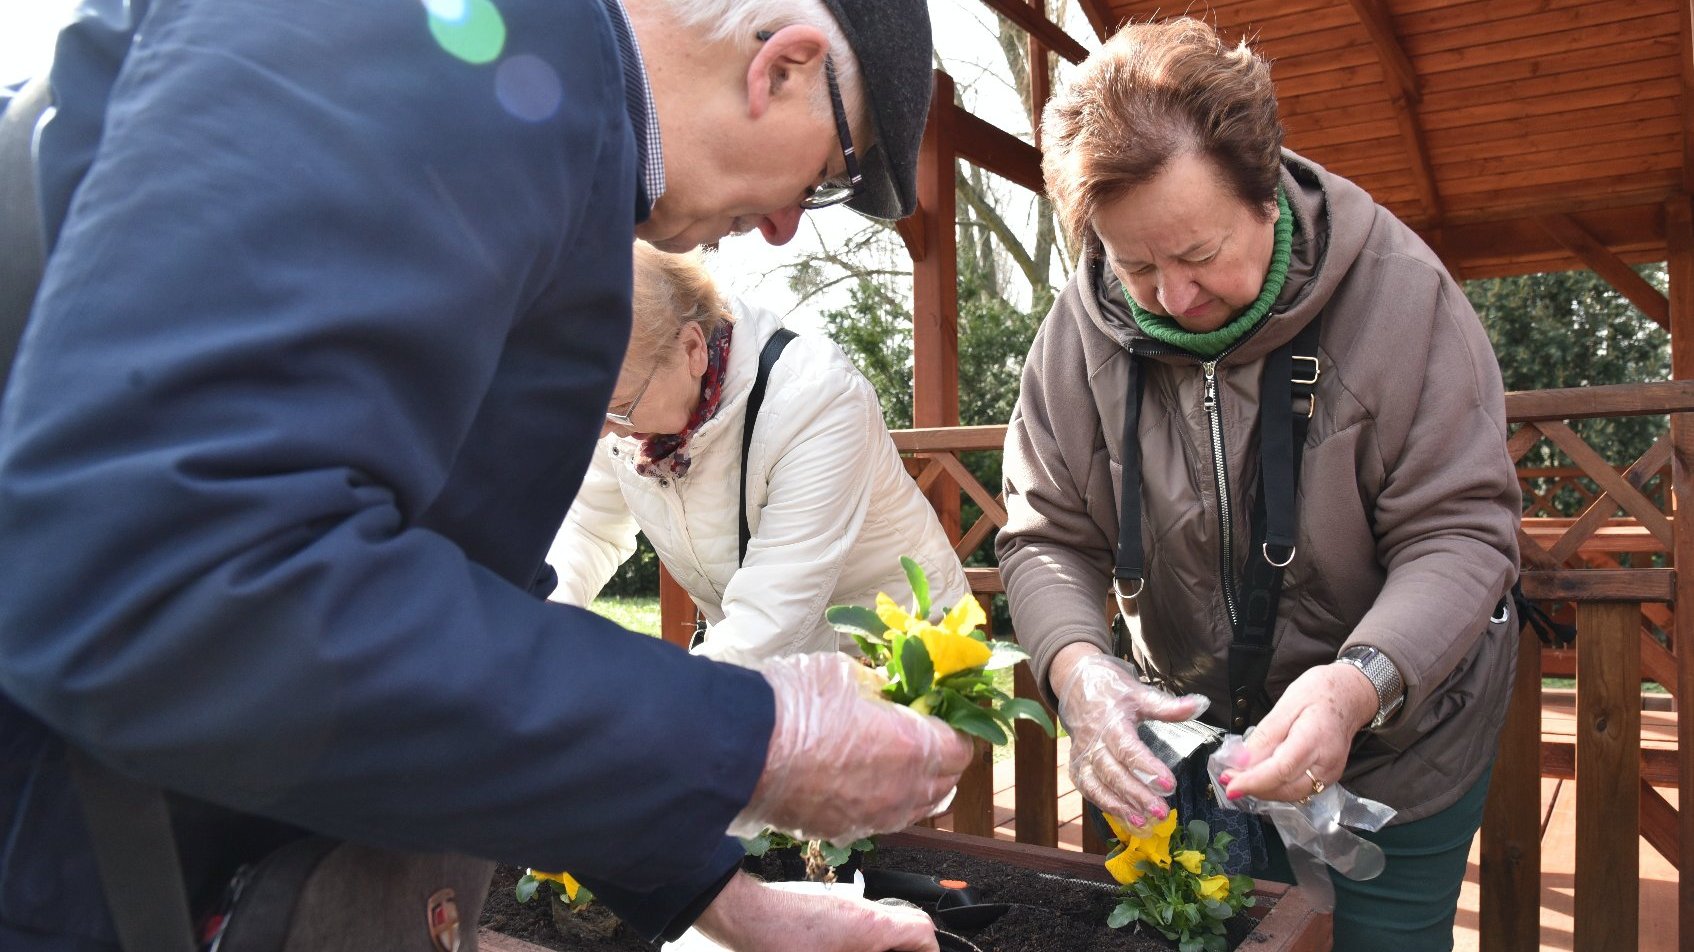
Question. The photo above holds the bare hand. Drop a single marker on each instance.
(749, 916)
(843, 764)
(1100, 702)
(1310, 729)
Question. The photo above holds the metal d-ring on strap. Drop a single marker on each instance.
(1282, 440)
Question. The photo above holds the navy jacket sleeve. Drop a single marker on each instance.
(324, 341)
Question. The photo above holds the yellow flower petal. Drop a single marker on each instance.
(1214, 887)
(891, 614)
(1122, 866)
(563, 879)
(966, 617)
(951, 653)
(1189, 860)
(1120, 829)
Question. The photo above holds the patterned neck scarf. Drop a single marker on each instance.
(666, 454)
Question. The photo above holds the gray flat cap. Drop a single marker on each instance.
(891, 41)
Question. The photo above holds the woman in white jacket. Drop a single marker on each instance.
(829, 503)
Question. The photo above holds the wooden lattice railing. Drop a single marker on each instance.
(1614, 561)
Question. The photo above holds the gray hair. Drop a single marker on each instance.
(739, 22)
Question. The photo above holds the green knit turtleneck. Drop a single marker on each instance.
(1213, 343)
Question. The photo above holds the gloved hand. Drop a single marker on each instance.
(749, 916)
(843, 763)
(1100, 702)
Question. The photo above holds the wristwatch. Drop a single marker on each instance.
(1376, 666)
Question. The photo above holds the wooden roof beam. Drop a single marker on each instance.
(1686, 56)
(1037, 25)
(1100, 17)
(1404, 94)
(982, 143)
(1624, 279)
(1394, 59)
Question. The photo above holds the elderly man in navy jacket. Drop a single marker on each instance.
(335, 298)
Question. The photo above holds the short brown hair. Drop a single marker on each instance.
(1155, 91)
(671, 291)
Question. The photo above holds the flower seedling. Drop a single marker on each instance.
(574, 894)
(941, 669)
(1173, 881)
(833, 856)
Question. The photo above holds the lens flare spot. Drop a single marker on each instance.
(476, 36)
(452, 11)
(528, 87)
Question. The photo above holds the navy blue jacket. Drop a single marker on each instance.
(330, 319)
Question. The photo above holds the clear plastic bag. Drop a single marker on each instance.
(1316, 832)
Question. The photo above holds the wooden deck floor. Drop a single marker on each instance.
(1558, 841)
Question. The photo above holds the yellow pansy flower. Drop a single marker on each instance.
(894, 616)
(1122, 866)
(1214, 887)
(572, 887)
(1120, 830)
(1189, 860)
(951, 653)
(966, 617)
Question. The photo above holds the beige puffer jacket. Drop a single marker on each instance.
(1408, 502)
(828, 501)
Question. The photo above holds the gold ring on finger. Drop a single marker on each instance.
(1317, 785)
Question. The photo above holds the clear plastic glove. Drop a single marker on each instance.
(843, 763)
(750, 916)
(1101, 702)
(1314, 829)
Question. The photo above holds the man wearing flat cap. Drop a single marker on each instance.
(280, 455)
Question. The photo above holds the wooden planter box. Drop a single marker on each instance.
(1290, 924)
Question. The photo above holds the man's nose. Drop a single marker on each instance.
(779, 227)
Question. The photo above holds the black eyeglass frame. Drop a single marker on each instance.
(833, 193)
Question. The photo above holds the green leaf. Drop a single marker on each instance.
(1199, 831)
(525, 890)
(1218, 910)
(1222, 840)
(896, 670)
(975, 721)
(1029, 710)
(875, 651)
(915, 662)
(1005, 654)
(1122, 915)
(859, 617)
(757, 845)
(920, 585)
(833, 855)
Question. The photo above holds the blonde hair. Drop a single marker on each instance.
(671, 292)
(1153, 92)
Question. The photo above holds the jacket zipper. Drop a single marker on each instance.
(1220, 470)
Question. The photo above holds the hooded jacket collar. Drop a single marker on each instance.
(1325, 246)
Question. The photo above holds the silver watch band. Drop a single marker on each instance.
(1383, 676)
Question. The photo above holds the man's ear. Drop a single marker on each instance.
(791, 54)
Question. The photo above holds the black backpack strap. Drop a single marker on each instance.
(136, 854)
(1275, 521)
(1129, 571)
(1553, 634)
(767, 359)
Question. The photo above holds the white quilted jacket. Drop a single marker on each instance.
(829, 503)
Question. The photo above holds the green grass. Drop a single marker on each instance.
(636, 614)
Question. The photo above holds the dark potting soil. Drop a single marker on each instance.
(1053, 913)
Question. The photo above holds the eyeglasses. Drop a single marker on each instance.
(622, 419)
(833, 192)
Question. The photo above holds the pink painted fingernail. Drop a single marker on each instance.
(1235, 795)
(1137, 821)
(1160, 812)
(1167, 784)
(1225, 778)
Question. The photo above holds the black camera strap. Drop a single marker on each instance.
(1274, 527)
